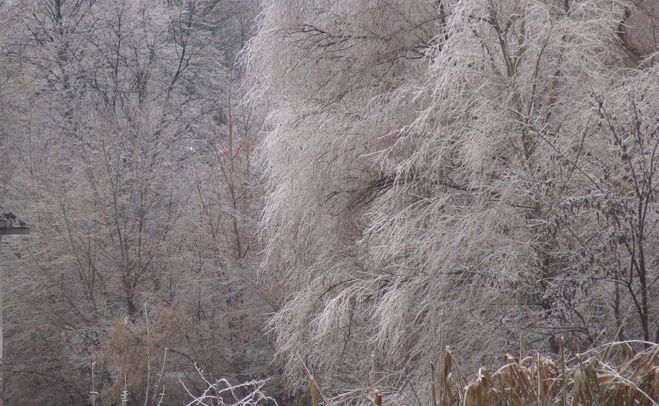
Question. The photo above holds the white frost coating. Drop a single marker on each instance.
(454, 173)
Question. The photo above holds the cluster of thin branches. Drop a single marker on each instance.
(456, 172)
(221, 392)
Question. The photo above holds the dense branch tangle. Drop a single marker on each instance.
(499, 184)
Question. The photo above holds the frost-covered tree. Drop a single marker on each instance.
(466, 173)
(113, 109)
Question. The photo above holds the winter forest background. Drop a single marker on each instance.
(281, 189)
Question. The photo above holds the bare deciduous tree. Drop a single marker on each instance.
(114, 102)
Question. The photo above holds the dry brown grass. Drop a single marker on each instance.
(615, 374)
(612, 375)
